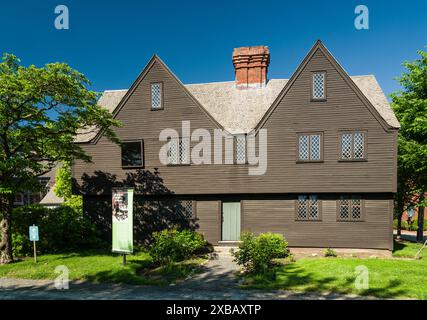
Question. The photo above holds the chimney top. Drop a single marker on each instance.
(251, 66)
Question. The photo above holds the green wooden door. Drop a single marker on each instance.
(230, 221)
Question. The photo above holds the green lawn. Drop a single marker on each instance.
(388, 278)
(101, 267)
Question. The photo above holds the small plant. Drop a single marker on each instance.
(330, 252)
(257, 254)
(176, 245)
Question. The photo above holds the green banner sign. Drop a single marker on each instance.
(122, 204)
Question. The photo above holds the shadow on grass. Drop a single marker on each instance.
(296, 278)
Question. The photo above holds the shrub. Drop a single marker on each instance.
(256, 254)
(405, 225)
(176, 245)
(61, 229)
(330, 252)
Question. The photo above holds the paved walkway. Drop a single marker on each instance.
(218, 281)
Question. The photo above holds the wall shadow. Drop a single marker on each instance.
(155, 206)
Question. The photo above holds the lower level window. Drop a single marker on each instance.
(185, 208)
(350, 208)
(308, 207)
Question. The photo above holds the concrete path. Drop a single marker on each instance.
(218, 281)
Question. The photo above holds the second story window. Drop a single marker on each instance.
(353, 145)
(132, 154)
(308, 208)
(156, 96)
(310, 147)
(318, 86)
(179, 151)
(240, 149)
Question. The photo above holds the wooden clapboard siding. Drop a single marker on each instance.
(209, 220)
(279, 216)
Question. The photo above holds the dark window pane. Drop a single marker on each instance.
(131, 154)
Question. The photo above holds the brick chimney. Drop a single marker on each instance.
(250, 66)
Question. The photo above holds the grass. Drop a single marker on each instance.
(100, 267)
(388, 278)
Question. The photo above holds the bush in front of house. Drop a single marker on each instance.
(330, 253)
(172, 245)
(405, 225)
(61, 229)
(256, 254)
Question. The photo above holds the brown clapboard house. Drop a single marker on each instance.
(331, 152)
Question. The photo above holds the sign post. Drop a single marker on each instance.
(34, 236)
(122, 221)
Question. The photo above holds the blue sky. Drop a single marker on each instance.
(111, 41)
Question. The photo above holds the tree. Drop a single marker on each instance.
(41, 111)
(410, 106)
(63, 187)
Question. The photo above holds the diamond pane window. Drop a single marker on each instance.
(303, 147)
(156, 95)
(185, 208)
(319, 86)
(241, 149)
(359, 145)
(353, 146)
(315, 147)
(302, 213)
(350, 208)
(184, 150)
(346, 146)
(173, 152)
(309, 147)
(307, 207)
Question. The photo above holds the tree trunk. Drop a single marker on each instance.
(6, 202)
(420, 231)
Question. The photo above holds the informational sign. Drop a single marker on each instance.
(34, 233)
(122, 205)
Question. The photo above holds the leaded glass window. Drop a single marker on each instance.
(156, 95)
(241, 149)
(309, 147)
(353, 146)
(308, 207)
(350, 208)
(179, 151)
(319, 86)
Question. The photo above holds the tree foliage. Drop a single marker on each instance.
(410, 107)
(41, 111)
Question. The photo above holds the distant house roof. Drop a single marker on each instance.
(239, 111)
(51, 199)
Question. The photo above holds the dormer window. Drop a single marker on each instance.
(318, 86)
(156, 96)
(240, 149)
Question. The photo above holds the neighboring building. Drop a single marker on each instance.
(332, 152)
(46, 196)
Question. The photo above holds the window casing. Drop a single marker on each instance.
(156, 96)
(310, 147)
(133, 154)
(318, 86)
(353, 146)
(308, 208)
(350, 208)
(241, 149)
(179, 151)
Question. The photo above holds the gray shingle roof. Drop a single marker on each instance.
(240, 111)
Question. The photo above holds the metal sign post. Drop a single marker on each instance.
(34, 237)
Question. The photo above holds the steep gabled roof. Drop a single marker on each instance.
(240, 111)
